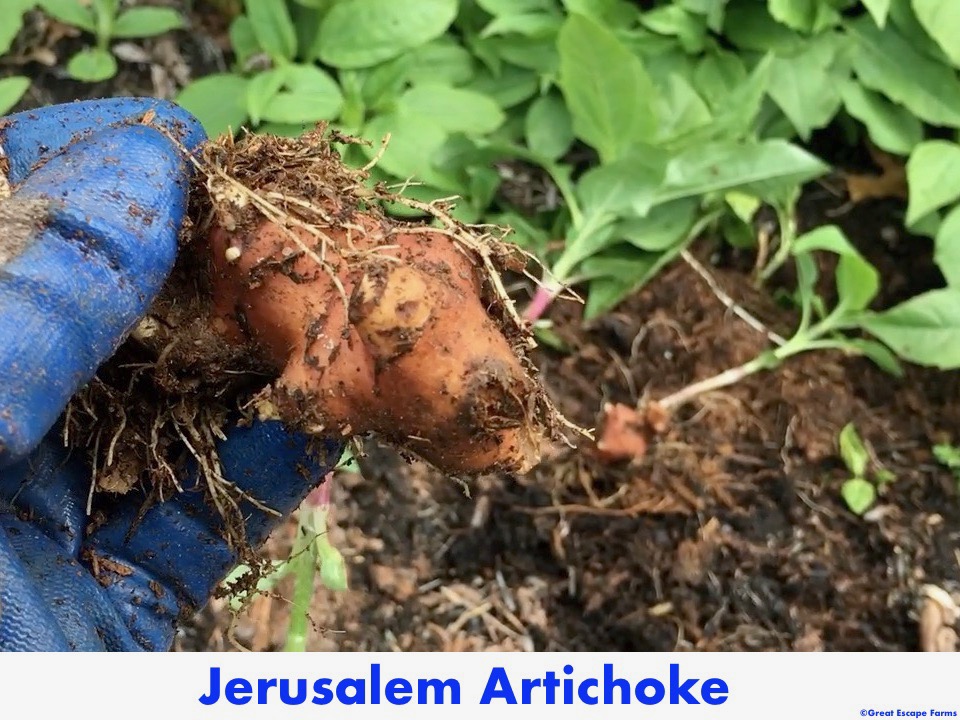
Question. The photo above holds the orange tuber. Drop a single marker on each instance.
(372, 324)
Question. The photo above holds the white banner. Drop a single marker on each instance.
(432, 685)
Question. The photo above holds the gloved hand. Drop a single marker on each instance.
(86, 242)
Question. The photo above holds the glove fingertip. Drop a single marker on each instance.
(33, 136)
(105, 240)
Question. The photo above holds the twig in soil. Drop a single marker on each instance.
(728, 301)
(640, 508)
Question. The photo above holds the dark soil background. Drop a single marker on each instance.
(728, 534)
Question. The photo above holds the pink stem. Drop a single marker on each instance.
(320, 495)
(541, 301)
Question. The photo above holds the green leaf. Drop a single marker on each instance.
(905, 20)
(361, 33)
(712, 10)
(92, 65)
(612, 13)
(758, 168)
(947, 455)
(810, 16)
(737, 112)
(891, 127)
(853, 451)
(510, 7)
(614, 279)
(933, 176)
(309, 95)
(807, 275)
(508, 88)
(718, 74)
(886, 62)
(442, 60)
(140, 22)
(306, 24)
(736, 232)
(261, 89)
(414, 140)
(11, 90)
(805, 85)
(924, 329)
(611, 98)
(882, 477)
(663, 227)
(548, 126)
(947, 248)
(749, 26)
(878, 353)
(878, 10)
(628, 186)
(859, 495)
(546, 336)
(927, 226)
(618, 272)
(582, 246)
(606, 292)
(218, 101)
(243, 39)
(682, 111)
(941, 20)
(689, 29)
(383, 84)
(743, 205)
(273, 28)
(71, 12)
(453, 109)
(535, 54)
(857, 280)
(13, 21)
(333, 569)
(529, 24)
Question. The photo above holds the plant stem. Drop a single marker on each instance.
(303, 577)
(304, 568)
(803, 341)
(722, 380)
(542, 300)
(788, 233)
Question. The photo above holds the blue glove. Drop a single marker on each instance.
(86, 242)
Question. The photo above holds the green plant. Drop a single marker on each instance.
(860, 490)
(11, 21)
(312, 551)
(949, 456)
(11, 90)
(106, 22)
(819, 327)
(651, 127)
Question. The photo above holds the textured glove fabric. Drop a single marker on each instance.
(125, 585)
(86, 242)
(100, 199)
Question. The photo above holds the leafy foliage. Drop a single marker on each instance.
(653, 126)
(648, 125)
(101, 18)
